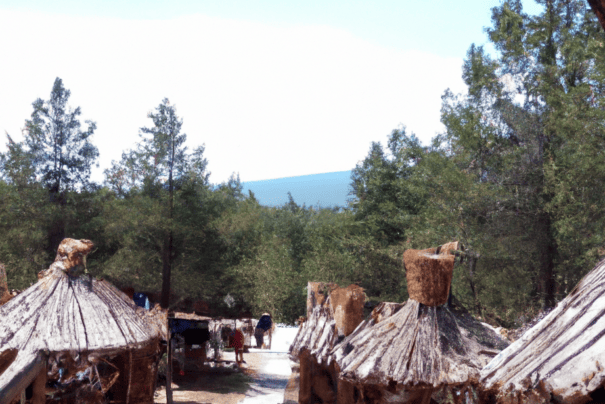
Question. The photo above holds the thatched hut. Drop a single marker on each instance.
(71, 327)
(562, 358)
(332, 314)
(419, 350)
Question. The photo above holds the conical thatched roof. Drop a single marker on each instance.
(332, 314)
(416, 345)
(65, 311)
(317, 335)
(563, 355)
(422, 343)
(61, 313)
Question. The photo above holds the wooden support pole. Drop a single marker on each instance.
(39, 388)
(169, 369)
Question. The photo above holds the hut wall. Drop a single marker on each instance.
(138, 386)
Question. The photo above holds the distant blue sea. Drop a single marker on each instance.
(324, 190)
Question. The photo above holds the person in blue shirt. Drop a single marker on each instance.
(264, 324)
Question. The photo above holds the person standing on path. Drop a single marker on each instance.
(236, 341)
(264, 324)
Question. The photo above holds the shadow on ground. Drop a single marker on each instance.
(216, 380)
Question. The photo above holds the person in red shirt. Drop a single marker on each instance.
(236, 341)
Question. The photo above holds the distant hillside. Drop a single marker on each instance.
(325, 190)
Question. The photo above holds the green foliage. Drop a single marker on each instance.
(383, 197)
(24, 216)
(524, 151)
(61, 152)
(517, 176)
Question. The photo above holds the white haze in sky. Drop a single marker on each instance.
(268, 101)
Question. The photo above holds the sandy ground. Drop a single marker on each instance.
(261, 380)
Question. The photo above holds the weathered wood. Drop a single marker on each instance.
(69, 311)
(563, 355)
(61, 313)
(347, 307)
(39, 388)
(6, 359)
(24, 370)
(335, 312)
(317, 335)
(416, 345)
(317, 293)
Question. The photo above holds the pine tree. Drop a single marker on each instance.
(56, 152)
(531, 125)
(150, 177)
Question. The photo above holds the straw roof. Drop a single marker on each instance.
(60, 313)
(317, 335)
(68, 311)
(562, 355)
(416, 345)
(333, 313)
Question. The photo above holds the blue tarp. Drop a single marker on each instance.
(141, 300)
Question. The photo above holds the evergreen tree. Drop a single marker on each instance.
(62, 152)
(153, 178)
(56, 152)
(531, 126)
(383, 198)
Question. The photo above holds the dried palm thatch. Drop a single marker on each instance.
(562, 357)
(69, 311)
(416, 345)
(429, 273)
(412, 351)
(334, 313)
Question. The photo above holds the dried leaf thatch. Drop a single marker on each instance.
(68, 311)
(334, 313)
(562, 356)
(415, 345)
(317, 335)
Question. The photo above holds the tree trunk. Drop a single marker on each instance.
(169, 369)
(56, 233)
(548, 251)
(167, 251)
(472, 264)
(166, 269)
(598, 7)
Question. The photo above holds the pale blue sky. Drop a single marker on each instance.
(273, 88)
(439, 26)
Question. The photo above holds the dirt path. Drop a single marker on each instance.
(269, 381)
(262, 380)
(271, 371)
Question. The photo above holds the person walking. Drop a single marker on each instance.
(265, 323)
(236, 341)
